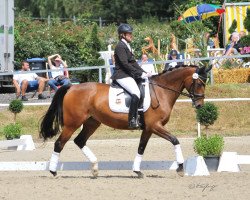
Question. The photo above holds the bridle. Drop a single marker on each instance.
(194, 96)
(191, 91)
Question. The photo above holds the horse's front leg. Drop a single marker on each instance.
(160, 131)
(142, 146)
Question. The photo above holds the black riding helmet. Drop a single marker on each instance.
(173, 52)
(124, 28)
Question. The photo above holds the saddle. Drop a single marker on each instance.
(119, 99)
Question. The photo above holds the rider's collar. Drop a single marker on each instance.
(127, 44)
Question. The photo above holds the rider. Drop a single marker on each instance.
(127, 72)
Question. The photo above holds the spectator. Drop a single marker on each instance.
(210, 42)
(173, 55)
(242, 34)
(58, 77)
(146, 65)
(29, 81)
(234, 46)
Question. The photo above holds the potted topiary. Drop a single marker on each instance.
(210, 147)
(13, 130)
(16, 106)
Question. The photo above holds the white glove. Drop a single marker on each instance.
(144, 75)
(173, 64)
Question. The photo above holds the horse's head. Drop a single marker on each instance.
(196, 86)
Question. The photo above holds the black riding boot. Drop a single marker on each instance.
(133, 112)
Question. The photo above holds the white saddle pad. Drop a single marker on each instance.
(117, 99)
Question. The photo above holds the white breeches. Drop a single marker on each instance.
(130, 85)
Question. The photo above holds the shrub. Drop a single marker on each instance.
(12, 131)
(245, 42)
(233, 27)
(247, 20)
(16, 106)
(207, 146)
(207, 115)
(37, 39)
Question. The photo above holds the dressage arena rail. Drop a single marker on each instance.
(24, 143)
(102, 165)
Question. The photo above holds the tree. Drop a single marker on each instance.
(233, 27)
(247, 20)
(114, 10)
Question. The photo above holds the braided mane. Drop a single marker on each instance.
(177, 67)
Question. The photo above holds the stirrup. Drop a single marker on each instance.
(133, 123)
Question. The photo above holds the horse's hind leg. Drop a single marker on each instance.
(142, 146)
(58, 147)
(88, 129)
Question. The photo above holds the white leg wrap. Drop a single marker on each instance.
(89, 154)
(137, 163)
(53, 161)
(178, 154)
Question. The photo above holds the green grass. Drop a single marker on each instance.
(233, 117)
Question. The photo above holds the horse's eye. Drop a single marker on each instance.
(199, 84)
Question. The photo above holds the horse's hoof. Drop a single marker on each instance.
(94, 169)
(53, 173)
(180, 170)
(139, 174)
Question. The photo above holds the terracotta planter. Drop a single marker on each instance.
(212, 163)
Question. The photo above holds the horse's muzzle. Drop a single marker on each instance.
(198, 106)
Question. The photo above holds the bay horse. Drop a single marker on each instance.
(87, 104)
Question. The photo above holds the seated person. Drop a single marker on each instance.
(29, 81)
(146, 65)
(58, 77)
(242, 34)
(234, 46)
(173, 55)
(210, 42)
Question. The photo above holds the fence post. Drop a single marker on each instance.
(49, 20)
(74, 19)
(100, 22)
(100, 75)
(199, 129)
(211, 77)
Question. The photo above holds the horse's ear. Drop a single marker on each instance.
(201, 70)
(209, 68)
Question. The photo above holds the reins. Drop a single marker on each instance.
(173, 90)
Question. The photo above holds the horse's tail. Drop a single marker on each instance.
(52, 121)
